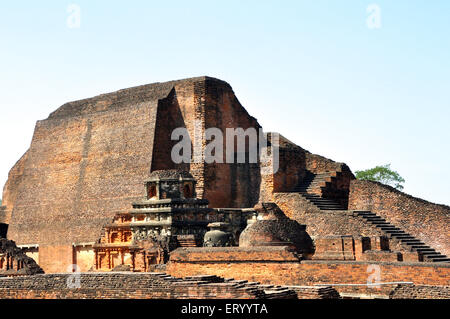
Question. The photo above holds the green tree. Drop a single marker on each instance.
(382, 174)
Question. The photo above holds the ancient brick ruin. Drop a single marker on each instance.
(14, 262)
(98, 189)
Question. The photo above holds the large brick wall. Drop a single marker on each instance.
(11, 188)
(309, 272)
(56, 258)
(228, 184)
(319, 164)
(420, 292)
(123, 285)
(235, 254)
(293, 165)
(427, 221)
(80, 172)
(88, 159)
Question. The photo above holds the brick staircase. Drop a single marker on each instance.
(311, 189)
(187, 241)
(312, 183)
(408, 241)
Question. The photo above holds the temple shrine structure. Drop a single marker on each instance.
(98, 192)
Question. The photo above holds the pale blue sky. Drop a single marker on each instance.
(311, 70)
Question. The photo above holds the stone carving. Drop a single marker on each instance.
(217, 236)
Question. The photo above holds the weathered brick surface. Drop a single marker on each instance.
(234, 254)
(334, 248)
(310, 292)
(56, 258)
(337, 188)
(329, 223)
(3, 224)
(374, 255)
(80, 171)
(13, 260)
(291, 166)
(295, 163)
(319, 164)
(274, 228)
(424, 220)
(228, 185)
(123, 285)
(88, 160)
(323, 223)
(420, 292)
(11, 188)
(310, 272)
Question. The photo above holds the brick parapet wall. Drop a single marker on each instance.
(234, 254)
(420, 292)
(312, 272)
(319, 164)
(126, 285)
(427, 221)
(294, 205)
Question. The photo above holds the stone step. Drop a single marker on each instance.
(328, 205)
(387, 227)
(426, 250)
(430, 254)
(325, 203)
(412, 241)
(406, 239)
(402, 237)
(433, 255)
(366, 215)
(321, 199)
(381, 224)
(396, 233)
(420, 247)
(441, 260)
(376, 220)
(331, 207)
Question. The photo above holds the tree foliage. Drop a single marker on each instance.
(382, 174)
